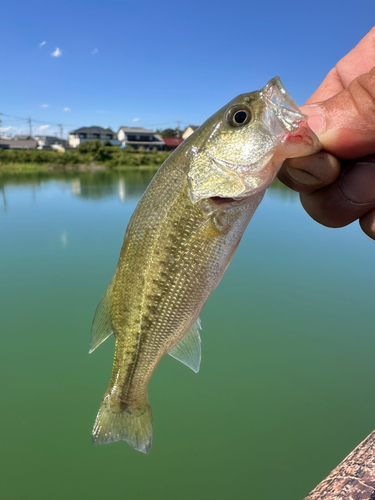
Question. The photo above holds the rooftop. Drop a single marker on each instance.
(136, 130)
(92, 130)
(19, 143)
(173, 141)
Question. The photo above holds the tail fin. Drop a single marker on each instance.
(133, 425)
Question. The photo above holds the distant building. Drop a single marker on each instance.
(47, 141)
(189, 131)
(137, 137)
(171, 143)
(84, 134)
(18, 143)
(23, 138)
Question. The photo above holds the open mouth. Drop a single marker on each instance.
(217, 200)
(282, 113)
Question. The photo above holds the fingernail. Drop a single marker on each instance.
(302, 177)
(357, 184)
(316, 118)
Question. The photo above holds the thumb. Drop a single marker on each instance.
(345, 123)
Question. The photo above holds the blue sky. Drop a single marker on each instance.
(151, 64)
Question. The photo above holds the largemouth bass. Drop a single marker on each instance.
(179, 242)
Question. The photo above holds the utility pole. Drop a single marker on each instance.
(30, 127)
(61, 130)
(178, 127)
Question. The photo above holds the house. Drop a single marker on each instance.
(19, 142)
(47, 141)
(137, 137)
(171, 143)
(23, 137)
(84, 134)
(189, 131)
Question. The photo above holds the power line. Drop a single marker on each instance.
(20, 123)
(70, 125)
(18, 120)
(36, 121)
(166, 123)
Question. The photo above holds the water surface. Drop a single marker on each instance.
(285, 390)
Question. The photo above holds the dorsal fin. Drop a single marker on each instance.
(188, 350)
(101, 326)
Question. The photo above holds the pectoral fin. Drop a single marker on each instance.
(188, 350)
(101, 326)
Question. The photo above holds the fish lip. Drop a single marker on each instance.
(281, 115)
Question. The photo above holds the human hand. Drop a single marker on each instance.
(336, 192)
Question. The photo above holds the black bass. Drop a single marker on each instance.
(179, 242)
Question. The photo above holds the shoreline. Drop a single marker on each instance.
(37, 168)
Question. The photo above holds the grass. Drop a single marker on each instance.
(15, 168)
(39, 168)
(90, 156)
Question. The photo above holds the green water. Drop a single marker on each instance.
(286, 387)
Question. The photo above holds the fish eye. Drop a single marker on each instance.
(239, 116)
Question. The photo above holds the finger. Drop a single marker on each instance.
(345, 123)
(367, 223)
(330, 86)
(308, 173)
(349, 198)
(357, 62)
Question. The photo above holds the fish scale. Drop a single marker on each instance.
(179, 242)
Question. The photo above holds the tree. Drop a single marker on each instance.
(169, 132)
(89, 146)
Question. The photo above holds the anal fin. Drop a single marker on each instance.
(188, 350)
(101, 326)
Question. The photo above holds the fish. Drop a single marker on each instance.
(179, 242)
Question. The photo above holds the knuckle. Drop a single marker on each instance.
(362, 91)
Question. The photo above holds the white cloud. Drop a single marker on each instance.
(56, 53)
(67, 109)
(41, 44)
(5, 129)
(43, 127)
(44, 105)
(136, 119)
(95, 51)
(17, 130)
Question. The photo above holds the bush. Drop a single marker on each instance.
(86, 153)
(89, 146)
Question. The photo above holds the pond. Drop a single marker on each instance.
(285, 389)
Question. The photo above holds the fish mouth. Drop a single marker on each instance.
(214, 204)
(218, 200)
(282, 113)
(284, 119)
